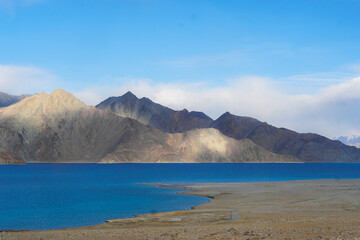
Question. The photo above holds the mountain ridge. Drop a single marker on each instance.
(308, 147)
(147, 112)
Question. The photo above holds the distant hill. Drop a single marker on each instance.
(308, 147)
(350, 140)
(147, 112)
(7, 99)
(58, 127)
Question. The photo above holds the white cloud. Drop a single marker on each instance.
(330, 112)
(25, 79)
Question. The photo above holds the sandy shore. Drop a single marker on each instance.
(314, 209)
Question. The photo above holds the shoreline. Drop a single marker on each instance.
(300, 209)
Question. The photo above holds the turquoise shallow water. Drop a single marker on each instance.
(48, 196)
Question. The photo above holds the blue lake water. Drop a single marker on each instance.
(48, 196)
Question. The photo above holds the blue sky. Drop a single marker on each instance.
(92, 47)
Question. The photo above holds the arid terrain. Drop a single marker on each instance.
(311, 209)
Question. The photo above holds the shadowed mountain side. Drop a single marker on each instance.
(199, 146)
(307, 147)
(7, 99)
(153, 114)
(142, 145)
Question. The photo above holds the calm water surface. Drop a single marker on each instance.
(48, 196)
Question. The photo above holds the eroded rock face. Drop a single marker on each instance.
(153, 114)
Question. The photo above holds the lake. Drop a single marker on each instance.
(49, 196)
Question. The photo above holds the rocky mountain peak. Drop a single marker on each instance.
(200, 115)
(225, 116)
(60, 93)
(40, 106)
(129, 96)
(61, 101)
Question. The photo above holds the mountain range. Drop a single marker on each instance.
(58, 127)
(306, 147)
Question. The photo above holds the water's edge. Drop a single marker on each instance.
(102, 186)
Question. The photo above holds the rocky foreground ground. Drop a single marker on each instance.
(316, 209)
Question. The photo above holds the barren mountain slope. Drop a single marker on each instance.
(308, 147)
(200, 146)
